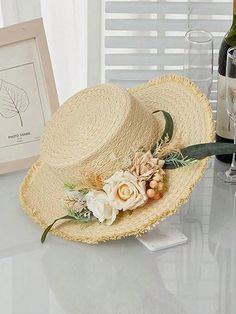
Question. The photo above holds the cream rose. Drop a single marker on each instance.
(125, 191)
(144, 165)
(98, 203)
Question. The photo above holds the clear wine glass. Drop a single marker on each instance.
(198, 59)
(230, 101)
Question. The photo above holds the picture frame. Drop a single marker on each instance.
(28, 95)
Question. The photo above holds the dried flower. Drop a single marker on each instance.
(144, 165)
(92, 181)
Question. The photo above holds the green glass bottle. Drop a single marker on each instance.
(224, 127)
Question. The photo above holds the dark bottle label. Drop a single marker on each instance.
(224, 126)
(222, 57)
(225, 158)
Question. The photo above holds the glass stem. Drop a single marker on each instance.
(233, 164)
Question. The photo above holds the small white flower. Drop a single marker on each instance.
(73, 195)
(79, 205)
(98, 204)
(126, 162)
(125, 191)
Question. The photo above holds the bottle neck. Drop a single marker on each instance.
(234, 15)
(231, 35)
(233, 26)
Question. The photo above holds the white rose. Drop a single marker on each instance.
(125, 191)
(98, 203)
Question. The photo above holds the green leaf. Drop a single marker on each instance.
(177, 160)
(193, 153)
(200, 151)
(44, 235)
(69, 186)
(169, 127)
(168, 131)
(83, 191)
(84, 216)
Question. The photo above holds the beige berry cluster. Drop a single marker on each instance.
(155, 187)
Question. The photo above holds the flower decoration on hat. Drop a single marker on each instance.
(142, 179)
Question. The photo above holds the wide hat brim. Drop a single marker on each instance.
(41, 193)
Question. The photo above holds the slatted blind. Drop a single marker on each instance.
(144, 39)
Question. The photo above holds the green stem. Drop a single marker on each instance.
(44, 235)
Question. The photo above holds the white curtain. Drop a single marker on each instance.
(1, 17)
(65, 23)
(14, 11)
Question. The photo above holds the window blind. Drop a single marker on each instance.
(144, 39)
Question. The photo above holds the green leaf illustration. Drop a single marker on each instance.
(13, 101)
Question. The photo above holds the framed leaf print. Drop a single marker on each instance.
(28, 94)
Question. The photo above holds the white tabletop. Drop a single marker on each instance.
(61, 277)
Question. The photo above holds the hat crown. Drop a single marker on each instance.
(94, 131)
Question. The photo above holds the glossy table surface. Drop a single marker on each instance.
(62, 277)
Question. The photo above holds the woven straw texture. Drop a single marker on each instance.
(104, 121)
(91, 127)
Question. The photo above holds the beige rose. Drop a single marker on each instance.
(125, 191)
(145, 165)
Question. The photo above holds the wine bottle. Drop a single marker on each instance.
(224, 126)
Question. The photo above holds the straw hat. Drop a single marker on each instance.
(97, 128)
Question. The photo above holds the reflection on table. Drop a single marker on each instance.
(123, 276)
